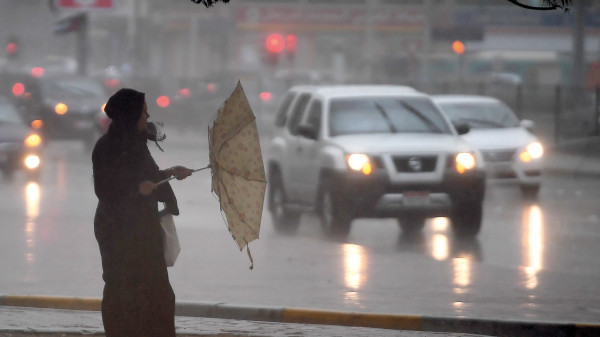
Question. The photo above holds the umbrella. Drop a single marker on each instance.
(238, 173)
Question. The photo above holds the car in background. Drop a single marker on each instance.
(348, 152)
(511, 151)
(65, 105)
(20, 145)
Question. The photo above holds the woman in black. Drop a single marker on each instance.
(138, 299)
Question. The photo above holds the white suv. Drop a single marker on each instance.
(350, 152)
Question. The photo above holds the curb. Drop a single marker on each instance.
(310, 316)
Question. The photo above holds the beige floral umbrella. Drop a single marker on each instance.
(238, 173)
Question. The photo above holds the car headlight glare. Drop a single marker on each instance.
(33, 140)
(532, 151)
(61, 108)
(359, 162)
(465, 161)
(32, 161)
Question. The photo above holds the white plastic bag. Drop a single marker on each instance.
(171, 241)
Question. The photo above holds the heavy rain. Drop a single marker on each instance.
(434, 158)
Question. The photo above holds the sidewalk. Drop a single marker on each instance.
(66, 317)
(578, 157)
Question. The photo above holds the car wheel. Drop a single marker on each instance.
(466, 219)
(334, 221)
(285, 221)
(530, 191)
(411, 224)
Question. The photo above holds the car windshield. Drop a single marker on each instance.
(72, 88)
(384, 115)
(481, 115)
(9, 115)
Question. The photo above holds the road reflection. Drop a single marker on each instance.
(532, 245)
(355, 262)
(32, 208)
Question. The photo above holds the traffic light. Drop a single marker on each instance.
(12, 49)
(274, 45)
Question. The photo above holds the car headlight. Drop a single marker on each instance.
(61, 108)
(359, 162)
(465, 161)
(532, 151)
(32, 161)
(33, 140)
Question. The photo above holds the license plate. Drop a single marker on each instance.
(415, 198)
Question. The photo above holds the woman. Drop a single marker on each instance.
(138, 299)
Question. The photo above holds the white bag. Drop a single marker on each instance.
(171, 241)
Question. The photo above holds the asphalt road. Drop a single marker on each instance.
(533, 260)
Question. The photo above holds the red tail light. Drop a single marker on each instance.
(266, 96)
(18, 89)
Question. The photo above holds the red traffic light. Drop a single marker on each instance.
(275, 43)
(163, 101)
(290, 42)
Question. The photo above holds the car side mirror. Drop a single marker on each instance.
(308, 131)
(462, 128)
(527, 124)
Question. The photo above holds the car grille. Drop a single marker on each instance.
(415, 164)
(495, 156)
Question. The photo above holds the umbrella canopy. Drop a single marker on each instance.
(238, 172)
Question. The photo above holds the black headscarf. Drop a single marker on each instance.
(124, 108)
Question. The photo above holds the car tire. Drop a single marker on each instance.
(411, 224)
(530, 191)
(284, 220)
(335, 223)
(466, 219)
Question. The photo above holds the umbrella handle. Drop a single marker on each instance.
(171, 178)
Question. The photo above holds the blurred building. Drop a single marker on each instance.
(352, 40)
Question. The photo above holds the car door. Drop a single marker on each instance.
(293, 174)
(308, 153)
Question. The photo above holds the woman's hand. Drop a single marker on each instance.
(180, 172)
(146, 187)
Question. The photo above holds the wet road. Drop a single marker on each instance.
(532, 260)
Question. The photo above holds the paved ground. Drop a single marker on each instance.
(54, 322)
(48, 317)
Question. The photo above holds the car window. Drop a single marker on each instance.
(314, 115)
(72, 88)
(8, 114)
(297, 113)
(385, 115)
(281, 116)
(481, 115)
